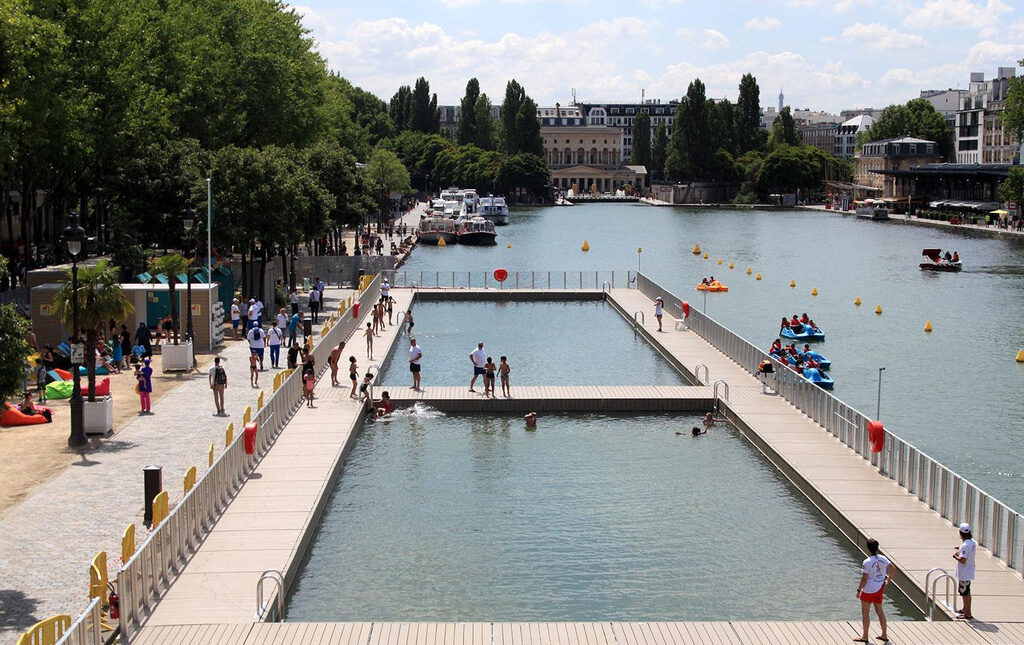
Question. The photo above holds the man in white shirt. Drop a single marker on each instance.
(478, 357)
(256, 342)
(964, 556)
(259, 312)
(415, 354)
(293, 298)
(282, 319)
(385, 289)
(236, 318)
(274, 339)
(875, 576)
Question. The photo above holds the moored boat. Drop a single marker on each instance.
(433, 229)
(477, 231)
(871, 209)
(494, 209)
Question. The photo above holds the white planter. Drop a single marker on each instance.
(176, 357)
(98, 415)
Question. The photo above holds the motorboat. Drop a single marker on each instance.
(434, 229)
(477, 231)
(937, 263)
(494, 209)
(714, 285)
(871, 209)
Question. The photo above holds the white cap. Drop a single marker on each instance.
(965, 528)
(236, 299)
(659, 298)
(252, 300)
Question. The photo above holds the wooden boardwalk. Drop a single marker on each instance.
(851, 492)
(567, 398)
(604, 633)
(273, 517)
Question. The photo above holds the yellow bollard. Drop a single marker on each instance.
(792, 283)
(441, 242)
(927, 325)
(732, 266)
(211, 454)
(814, 291)
(856, 301)
(128, 543)
(696, 249)
(749, 271)
(585, 247)
(229, 435)
(342, 307)
(189, 480)
(1020, 355)
(878, 309)
(758, 276)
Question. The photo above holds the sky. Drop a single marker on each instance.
(826, 55)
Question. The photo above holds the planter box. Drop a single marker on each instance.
(176, 358)
(98, 415)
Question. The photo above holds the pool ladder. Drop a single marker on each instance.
(696, 374)
(930, 593)
(725, 391)
(261, 610)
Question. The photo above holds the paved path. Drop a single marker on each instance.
(48, 541)
(848, 489)
(273, 517)
(604, 633)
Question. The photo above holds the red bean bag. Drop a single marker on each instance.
(12, 416)
(64, 374)
(102, 387)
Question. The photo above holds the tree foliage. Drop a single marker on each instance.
(467, 114)
(917, 118)
(784, 131)
(641, 153)
(659, 150)
(509, 138)
(485, 131)
(748, 115)
(1012, 188)
(1013, 112)
(787, 169)
(691, 147)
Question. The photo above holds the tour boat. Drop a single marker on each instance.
(434, 229)
(477, 231)
(871, 209)
(936, 263)
(494, 209)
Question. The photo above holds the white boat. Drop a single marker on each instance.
(432, 229)
(871, 209)
(465, 199)
(494, 209)
(477, 231)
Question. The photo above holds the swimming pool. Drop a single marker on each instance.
(595, 517)
(547, 343)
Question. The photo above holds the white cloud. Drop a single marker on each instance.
(458, 4)
(881, 38)
(1001, 53)
(900, 76)
(762, 24)
(959, 13)
(714, 39)
(844, 6)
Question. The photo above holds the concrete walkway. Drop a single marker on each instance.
(48, 541)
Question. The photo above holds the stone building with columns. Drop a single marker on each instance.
(585, 155)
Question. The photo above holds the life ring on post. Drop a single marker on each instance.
(876, 435)
(500, 275)
(686, 309)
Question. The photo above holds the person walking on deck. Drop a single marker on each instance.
(314, 304)
(218, 383)
(875, 576)
(415, 354)
(504, 369)
(659, 306)
(369, 341)
(478, 358)
(333, 359)
(964, 556)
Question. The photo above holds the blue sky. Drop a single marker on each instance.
(824, 54)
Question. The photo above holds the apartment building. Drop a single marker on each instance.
(980, 134)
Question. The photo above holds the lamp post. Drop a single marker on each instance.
(74, 238)
(188, 220)
(878, 401)
(639, 250)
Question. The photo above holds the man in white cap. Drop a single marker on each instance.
(964, 556)
(385, 290)
(236, 318)
(659, 306)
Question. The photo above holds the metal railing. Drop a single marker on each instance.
(931, 595)
(86, 629)
(158, 561)
(696, 374)
(483, 279)
(262, 610)
(995, 525)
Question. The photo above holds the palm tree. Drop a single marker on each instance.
(171, 266)
(100, 298)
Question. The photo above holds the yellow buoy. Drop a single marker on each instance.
(878, 309)
(758, 276)
(749, 271)
(509, 245)
(732, 266)
(719, 261)
(792, 283)
(856, 301)
(441, 242)
(696, 249)
(814, 291)
(927, 325)
(1020, 355)
(585, 247)
(705, 256)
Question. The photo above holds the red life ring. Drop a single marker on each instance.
(500, 275)
(876, 435)
(686, 309)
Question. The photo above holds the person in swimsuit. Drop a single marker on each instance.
(254, 370)
(391, 308)
(369, 340)
(408, 319)
(353, 370)
(364, 388)
(383, 407)
(309, 383)
(504, 369)
(489, 368)
(332, 360)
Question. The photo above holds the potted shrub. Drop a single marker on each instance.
(100, 298)
(173, 356)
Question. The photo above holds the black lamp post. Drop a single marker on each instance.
(188, 220)
(74, 238)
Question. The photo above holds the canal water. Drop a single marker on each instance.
(595, 517)
(956, 392)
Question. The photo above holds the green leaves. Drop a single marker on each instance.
(917, 118)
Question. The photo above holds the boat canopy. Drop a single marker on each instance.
(932, 254)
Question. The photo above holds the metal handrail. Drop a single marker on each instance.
(930, 595)
(606, 284)
(278, 579)
(401, 278)
(725, 388)
(696, 373)
(643, 321)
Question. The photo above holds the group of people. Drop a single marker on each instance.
(797, 360)
(483, 365)
(383, 308)
(797, 325)
(949, 257)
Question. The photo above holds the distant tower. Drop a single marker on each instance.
(780, 99)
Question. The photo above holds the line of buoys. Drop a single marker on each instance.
(732, 266)
(856, 301)
(927, 325)
(441, 242)
(705, 256)
(814, 291)
(1020, 355)
(749, 271)
(696, 249)
(758, 276)
(585, 247)
(792, 283)
(878, 309)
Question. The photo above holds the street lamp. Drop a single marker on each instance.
(878, 401)
(188, 220)
(74, 238)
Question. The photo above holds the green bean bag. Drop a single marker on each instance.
(59, 390)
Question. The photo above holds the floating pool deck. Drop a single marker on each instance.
(604, 633)
(270, 522)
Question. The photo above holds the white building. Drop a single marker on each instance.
(846, 135)
(980, 134)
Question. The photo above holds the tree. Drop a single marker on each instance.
(784, 131)
(641, 153)
(722, 118)
(526, 171)
(514, 96)
(467, 113)
(658, 152)
(790, 168)
(424, 116)
(386, 174)
(528, 139)
(172, 266)
(748, 117)
(917, 118)
(1013, 112)
(1012, 188)
(400, 108)
(691, 148)
(484, 138)
(14, 346)
(100, 298)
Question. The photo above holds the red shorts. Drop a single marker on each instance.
(871, 598)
